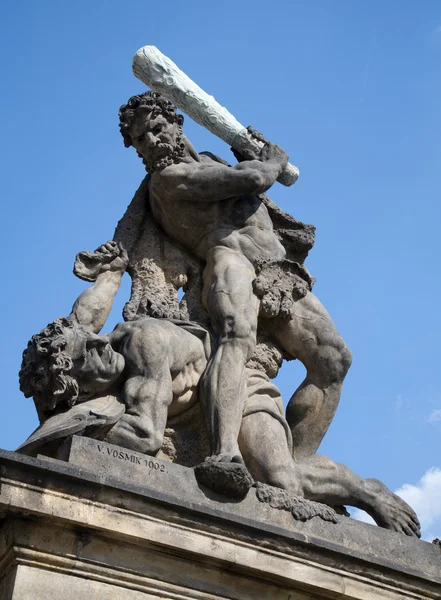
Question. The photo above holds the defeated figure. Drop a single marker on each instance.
(122, 387)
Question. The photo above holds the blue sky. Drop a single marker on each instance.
(351, 90)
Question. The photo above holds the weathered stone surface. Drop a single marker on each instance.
(185, 438)
(202, 225)
(70, 532)
(231, 479)
(127, 386)
(252, 267)
(300, 508)
(110, 462)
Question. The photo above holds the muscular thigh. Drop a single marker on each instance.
(228, 290)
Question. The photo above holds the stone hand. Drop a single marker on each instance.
(257, 135)
(250, 153)
(110, 256)
(273, 153)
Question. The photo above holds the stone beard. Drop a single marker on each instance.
(174, 155)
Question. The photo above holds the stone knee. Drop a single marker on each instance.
(139, 434)
(342, 362)
(239, 331)
(153, 440)
(330, 364)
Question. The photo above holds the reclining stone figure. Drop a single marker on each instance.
(121, 387)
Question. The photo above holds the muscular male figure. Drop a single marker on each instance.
(215, 211)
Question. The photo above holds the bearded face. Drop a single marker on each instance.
(157, 141)
(96, 365)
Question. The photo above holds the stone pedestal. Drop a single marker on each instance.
(111, 524)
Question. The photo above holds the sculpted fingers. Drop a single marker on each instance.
(109, 249)
(272, 152)
(257, 135)
(264, 155)
(110, 256)
(414, 523)
(123, 254)
(415, 529)
(407, 527)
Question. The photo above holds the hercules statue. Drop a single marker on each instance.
(217, 213)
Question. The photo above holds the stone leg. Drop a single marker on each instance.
(142, 427)
(267, 456)
(312, 338)
(318, 478)
(233, 310)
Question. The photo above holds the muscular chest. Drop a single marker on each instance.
(190, 221)
(187, 222)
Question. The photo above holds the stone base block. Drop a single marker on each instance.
(111, 524)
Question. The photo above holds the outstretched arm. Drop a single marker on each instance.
(199, 182)
(105, 267)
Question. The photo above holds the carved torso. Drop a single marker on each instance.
(241, 223)
(139, 341)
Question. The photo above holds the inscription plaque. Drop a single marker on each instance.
(149, 462)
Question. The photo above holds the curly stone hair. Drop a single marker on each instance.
(152, 100)
(46, 367)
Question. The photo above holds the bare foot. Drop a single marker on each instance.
(390, 511)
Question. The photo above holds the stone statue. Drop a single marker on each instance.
(218, 214)
(123, 387)
(220, 297)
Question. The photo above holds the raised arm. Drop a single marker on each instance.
(105, 267)
(201, 182)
